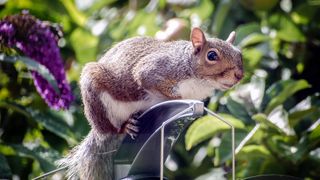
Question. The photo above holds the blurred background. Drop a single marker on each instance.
(279, 95)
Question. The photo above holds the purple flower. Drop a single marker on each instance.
(38, 40)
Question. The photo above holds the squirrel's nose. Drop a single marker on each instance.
(238, 74)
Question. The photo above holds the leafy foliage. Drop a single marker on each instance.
(279, 40)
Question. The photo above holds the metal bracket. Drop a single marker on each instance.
(161, 124)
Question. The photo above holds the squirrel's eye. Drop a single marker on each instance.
(212, 56)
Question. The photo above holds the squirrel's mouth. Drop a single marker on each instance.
(225, 86)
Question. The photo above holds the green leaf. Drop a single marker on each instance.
(252, 58)
(252, 157)
(304, 13)
(279, 92)
(6, 150)
(203, 10)
(98, 5)
(277, 120)
(45, 157)
(34, 66)
(257, 159)
(253, 39)
(315, 133)
(259, 5)
(50, 120)
(307, 109)
(206, 126)
(254, 150)
(262, 118)
(238, 110)
(307, 143)
(246, 30)
(224, 150)
(279, 117)
(285, 28)
(143, 22)
(74, 13)
(297, 116)
(84, 44)
(15, 107)
(257, 91)
(221, 16)
(5, 171)
(35, 138)
(247, 98)
(54, 123)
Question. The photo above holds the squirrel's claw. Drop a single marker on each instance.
(133, 121)
(131, 128)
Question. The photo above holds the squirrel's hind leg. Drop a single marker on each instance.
(92, 86)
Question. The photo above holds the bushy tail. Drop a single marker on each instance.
(93, 158)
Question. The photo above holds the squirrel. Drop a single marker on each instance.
(136, 74)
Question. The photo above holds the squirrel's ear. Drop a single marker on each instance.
(197, 38)
(232, 37)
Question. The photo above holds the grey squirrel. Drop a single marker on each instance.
(134, 75)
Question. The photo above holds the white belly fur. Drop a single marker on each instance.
(119, 112)
(196, 89)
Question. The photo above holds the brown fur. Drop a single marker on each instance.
(133, 70)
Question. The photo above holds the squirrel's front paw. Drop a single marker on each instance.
(131, 127)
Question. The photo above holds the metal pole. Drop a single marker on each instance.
(233, 154)
(162, 137)
(232, 139)
(161, 152)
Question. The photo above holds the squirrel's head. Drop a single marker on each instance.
(217, 61)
